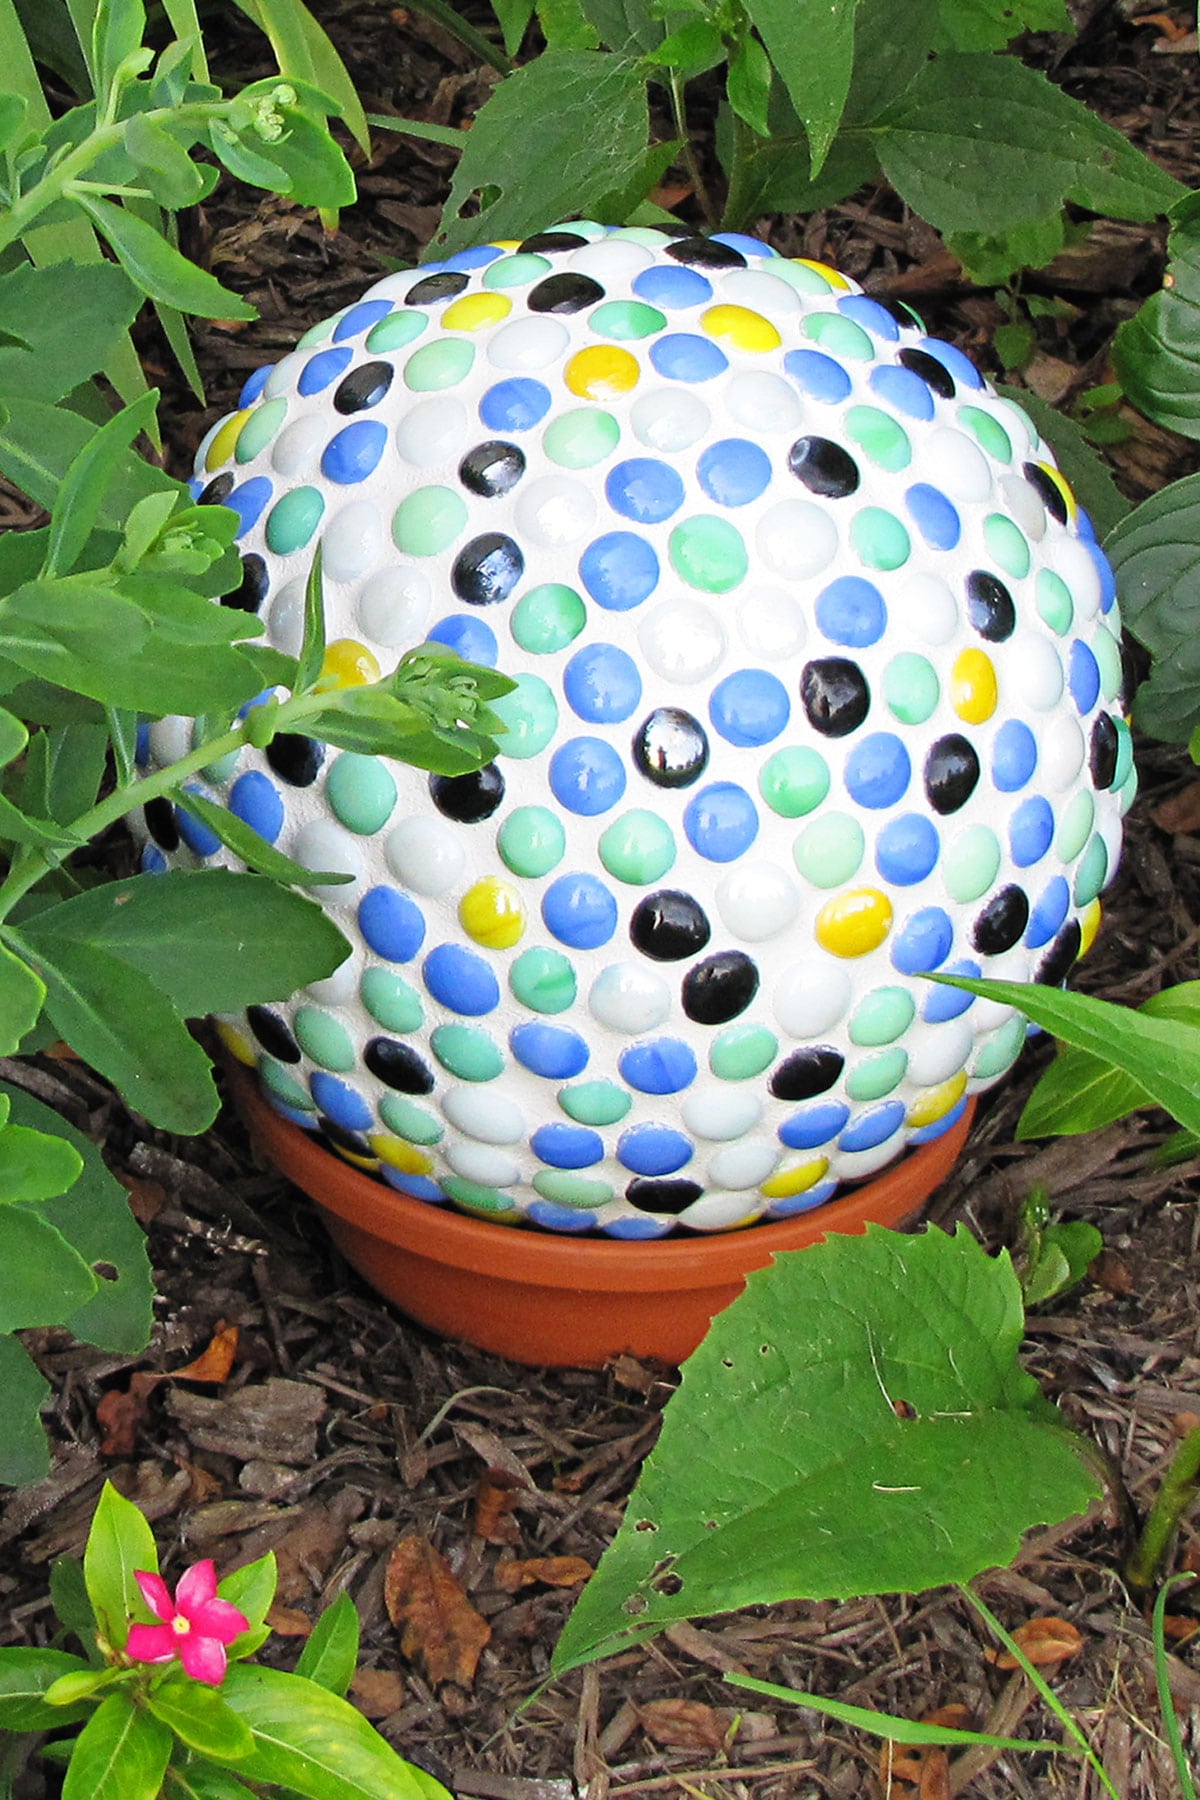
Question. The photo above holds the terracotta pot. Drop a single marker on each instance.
(553, 1301)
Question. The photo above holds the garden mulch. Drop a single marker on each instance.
(365, 1453)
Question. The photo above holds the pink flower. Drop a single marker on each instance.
(196, 1625)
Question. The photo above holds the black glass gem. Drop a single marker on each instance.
(990, 606)
(159, 815)
(399, 1065)
(363, 387)
(491, 469)
(338, 1135)
(1000, 925)
(217, 490)
(720, 987)
(661, 1196)
(487, 569)
(835, 695)
(807, 1072)
(824, 467)
(1060, 958)
(468, 798)
(1102, 751)
(669, 925)
(295, 759)
(250, 593)
(673, 230)
(706, 253)
(1048, 492)
(543, 242)
(442, 286)
(903, 315)
(951, 773)
(934, 374)
(670, 747)
(565, 292)
(273, 1034)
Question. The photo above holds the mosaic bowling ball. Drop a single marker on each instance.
(819, 688)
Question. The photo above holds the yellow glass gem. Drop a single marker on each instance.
(738, 326)
(236, 1044)
(796, 1179)
(855, 923)
(367, 1163)
(508, 244)
(1089, 925)
(491, 912)
(348, 664)
(602, 372)
(973, 692)
(834, 277)
(474, 311)
(1064, 488)
(933, 1103)
(398, 1155)
(224, 443)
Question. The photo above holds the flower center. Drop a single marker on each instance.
(180, 1626)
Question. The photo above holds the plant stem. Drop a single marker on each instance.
(1166, 1701)
(679, 114)
(1178, 1489)
(458, 27)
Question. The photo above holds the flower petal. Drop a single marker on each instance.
(151, 1643)
(204, 1659)
(156, 1594)
(218, 1619)
(195, 1586)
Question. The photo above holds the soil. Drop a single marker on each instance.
(340, 1429)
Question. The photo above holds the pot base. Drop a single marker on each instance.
(557, 1302)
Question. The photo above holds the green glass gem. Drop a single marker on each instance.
(626, 319)
(709, 553)
(531, 841)
(794, 781)
(878, 1076)
(323, 1038)
(883, 1016)
(547, 618)
(830, 850)
(1092, 872)
(530, 713)
(316, 334)
(644, 235)
(595, 1102)
(1127, 792)
(259, 429)
(1107, 653)
(581, 438)
(1003, 1051)
(571, 1190)
(638, 847)
(742, 1051)
(410, 1121)
(466, 1052)
(515, 271)
(1054, 601)
(797, 275)
(391, 1002)
(879, 538)
(839, 336)
(361, 791)
(490, 1203)
(585, 228)
(988, 432)
(1007, 543)
(543, 980)
(1124, 753)
(911, 688)
(441, 364)
(223, 768)
(397, 329)
(428, 520)
(293, 519)
(882, 437)
(284, 1086)
(1075, 826)
(970, 863)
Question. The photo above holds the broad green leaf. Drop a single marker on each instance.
(174, 179)
(251, 1589)
(94, 1217)
(303, 50)
(13, 108)
(1155, 552)
(748, 84)
(18, 827)
(514, 17)
(71, 768)
(990, 24)
(1081, 1091)
(310, 1740)
(260, 942)
(244, 156)
(13, 737)
(564, 131)
(203, 1781)
(1090, 477)
(330, 1656)
(200, 1718)
(73, 1609)
(811, 44)
(25, 1676)
(565, 26)
(696, 47)
(158, 268)
(886, 1725)
(35, 1165)
(630, 27)
(1157, 353)
(1068, 1249)
(1180, 1147)
(87, 481)
(121, 1754)
(21, 996)
(120, 1541)
(980, 143)
(253, 849)
(991, 259)
(42, 1279)
(24, 1452)
(317, 171)
(117, 28)
(869, 1383)
(67, 344)
(38, 443)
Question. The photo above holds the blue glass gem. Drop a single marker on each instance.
(1084, 671)
(1049, 913)
(682, 356)
(749, 707)
(550, 1050)
(587, 776)
(248, 501)
(340, 1102)
(818, 374)
(567, 1146)
(874, 1127)
(644, 489)
(323, 368)
(950, 1003)
(870, 315)
(461, 980)
(907, 849)
(1031, 831)
(630, 1230)
(878, 770)
(469, 637)
(675, 288)
(721, 822)
(195, 834)
(602, 684)
(254, 384)
(619, 570)
(661, 1066)
(477, 257)
(392, 924)
(257, 802)
(653, 1150)
(935, 516)
(152, 860)
(734, 471)
(1014, 756)
(740, 240)
(923, 942)
(360, 318)
(417, 1187)
(354, 452)
(851, 611)
(559, 1218)
(515, 405)
(1108, 581)
(927, 1133)
(579, 911)
(815, 1125)
(903, 390)
(952, 359)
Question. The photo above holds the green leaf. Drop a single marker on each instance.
(514, 17)
(303, 50)
(317, 171)
(121, 1754)
(42, 1279)
(1155, 552)
(310, 1740)
(251, 1589)
(24, 1452)
(631, 27)
(748, 84)
(565, 26)
(25, 1676)
(38, 444)
(174, 179)
(200, 1718)
(120, 1541)
(117, 28)
(1090, 477)
(13, 108)
(868, 1380)
(312, 648)
(88, 480)
(990, 24)
(253, 849)
(72, 764)
(991, 259)
(203, 1781)
(811, 44)
(1068, 1250)
(1081, 1091)
(567, 129)
(886, 1725)
(158, 268)
(66, 343)
(1157, 353)
(692, 49)
(34, 1165)
(13, 737)
(21, 996)
(330, 1656)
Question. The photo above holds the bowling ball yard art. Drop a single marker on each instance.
(819, 689)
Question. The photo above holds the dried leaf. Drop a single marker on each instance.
(203, 1485)
(215, 1362)
(1181, 812)
(378, 1692)
(1112, 1273)
(120, 1415)
(289, 1621)
(306, 1554)
(146, 1198)
(495, 1498)
(429, 1607)
(935, 1776)
(1179, 1628)
(554, 1571)
(1045, 1642)
(685, 1724)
